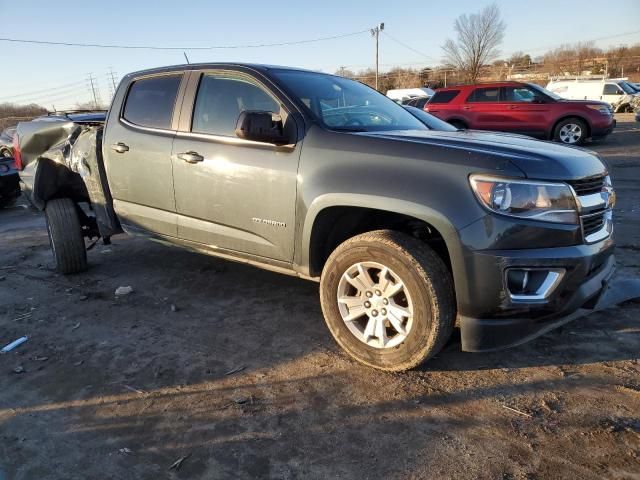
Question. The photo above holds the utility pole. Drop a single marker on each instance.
(375, 32)
(112, 76)
(93, 90)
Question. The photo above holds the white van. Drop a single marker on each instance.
(400, 94)
(612, 91)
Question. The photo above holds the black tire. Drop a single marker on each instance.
(65, 236)
(459, 124)
(581, 125)
(428, 282)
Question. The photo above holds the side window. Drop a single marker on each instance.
(611, 89)
(150, 101)
(485, 95)
(519, 94)
(444, 96)
(220, 100)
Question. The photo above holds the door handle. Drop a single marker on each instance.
(466, 107)
(513, 107)
(120, 147)
(191, 157)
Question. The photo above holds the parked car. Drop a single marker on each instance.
(634, 86)
(6, 142)
(402, 94)
(418, 102)
(406, 228)
(9, 182)
(523, 108)
(616, 92)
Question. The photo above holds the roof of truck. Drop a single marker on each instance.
(200, 66)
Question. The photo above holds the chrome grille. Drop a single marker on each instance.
(593, 223)
(594, 196)
(588, 186)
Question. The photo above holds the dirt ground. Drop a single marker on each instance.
(233, 368)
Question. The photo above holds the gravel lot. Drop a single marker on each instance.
(233, 368)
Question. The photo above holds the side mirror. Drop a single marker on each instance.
(261, 126)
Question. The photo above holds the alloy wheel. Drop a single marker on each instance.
(375, 305)
(570, 133)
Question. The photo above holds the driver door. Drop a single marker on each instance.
(233, 194)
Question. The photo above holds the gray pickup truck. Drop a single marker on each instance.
(409, 230)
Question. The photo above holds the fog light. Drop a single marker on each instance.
(532, 284)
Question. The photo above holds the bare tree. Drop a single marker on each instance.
(479, 36)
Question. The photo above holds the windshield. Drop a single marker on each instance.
(346, 105)
(544, 91)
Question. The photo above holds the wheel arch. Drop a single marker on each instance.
(567, 117)
(456, 119)
(332, 218)
(54, 180)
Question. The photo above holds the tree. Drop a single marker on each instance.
(519, 59)
(479, 36)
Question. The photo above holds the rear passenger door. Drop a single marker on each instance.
(137, 152)
(484, 110)
(233, 194)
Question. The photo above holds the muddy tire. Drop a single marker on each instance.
(65, 236)
(388, 300)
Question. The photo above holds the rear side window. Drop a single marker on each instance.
(150, 101)
(485, 95)
(445, 96)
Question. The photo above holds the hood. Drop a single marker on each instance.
(537, 159)
(582, 102)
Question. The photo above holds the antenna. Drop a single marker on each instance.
(186, 58)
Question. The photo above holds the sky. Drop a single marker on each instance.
(58, 75)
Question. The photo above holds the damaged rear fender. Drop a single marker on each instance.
(64, 159)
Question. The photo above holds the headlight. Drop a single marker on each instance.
(603, 109)
(543, 201)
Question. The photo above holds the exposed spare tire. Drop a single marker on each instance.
(65, 236)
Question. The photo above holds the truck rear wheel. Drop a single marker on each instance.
(65, 236)
(387, 299)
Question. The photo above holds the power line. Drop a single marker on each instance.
(537, 49)
(44, 90)
(46, 97)
(409, 47)
(152, 47)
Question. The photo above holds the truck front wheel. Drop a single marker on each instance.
(65, 236)
(387, 299)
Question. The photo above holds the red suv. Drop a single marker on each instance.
(522, 108)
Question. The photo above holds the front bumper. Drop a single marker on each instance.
(599, 131)
(483, 335)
